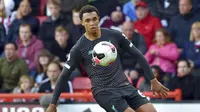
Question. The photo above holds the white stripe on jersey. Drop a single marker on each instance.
(68, 58)
(67, 66)
(131, 44)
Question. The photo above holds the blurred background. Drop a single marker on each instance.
(37, 35)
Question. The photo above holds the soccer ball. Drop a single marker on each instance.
(104, 53)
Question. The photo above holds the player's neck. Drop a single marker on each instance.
(93, 36)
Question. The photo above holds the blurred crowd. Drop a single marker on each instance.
(37, 35)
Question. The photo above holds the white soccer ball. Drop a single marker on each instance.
(104, 53)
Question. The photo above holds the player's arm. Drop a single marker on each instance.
(156, 86)
(72, 62)
(129, 47)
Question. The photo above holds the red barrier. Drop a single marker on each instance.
(177, 94)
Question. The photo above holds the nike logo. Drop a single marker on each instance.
(114, 109)
(90, 52)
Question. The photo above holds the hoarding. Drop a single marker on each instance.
(161, 107)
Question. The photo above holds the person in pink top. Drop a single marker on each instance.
(163, 52)
(29, 46)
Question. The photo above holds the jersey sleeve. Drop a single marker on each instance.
(128, 46)
(72, 62)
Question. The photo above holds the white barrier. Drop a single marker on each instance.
(161, 107)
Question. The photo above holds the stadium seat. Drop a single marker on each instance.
(43, 4)
(41, 18)
(82, 84)
(140, 80)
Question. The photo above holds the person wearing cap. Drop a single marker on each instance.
(146, 24)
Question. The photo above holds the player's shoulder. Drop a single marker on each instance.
(115, 33)
(79, 42)
(77, 45)
(110, 31)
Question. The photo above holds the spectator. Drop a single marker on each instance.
(191, 50)
(114, 21)
(11, 68)
(134, 37)
(132, 76)
(180, 25)
(2, 37)
(164, 9)
(45, 100)
(29, 46)
(105, 7)
(62, 45)
(137, 40)
(146, 24)
(163, 52)
(2, 11)
(68, 5)
(22, 16)
(34, 6)
(49, 25)
(195, 2)
(53, 71)
(76, 30)
(43, 60)
(26, 85)
(6, 7)
(129, 10)
(184, 80)
(144, 85)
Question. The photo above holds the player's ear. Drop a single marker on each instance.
(82, 22)
(98, 18)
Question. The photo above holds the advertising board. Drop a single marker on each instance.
(161, 107)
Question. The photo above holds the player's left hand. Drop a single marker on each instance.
(157, 87)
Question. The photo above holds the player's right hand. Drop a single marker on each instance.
(51, 108)
(157, 87)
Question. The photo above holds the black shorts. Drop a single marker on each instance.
(120, 99)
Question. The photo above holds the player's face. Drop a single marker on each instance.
(90, 21)
(183, 69)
